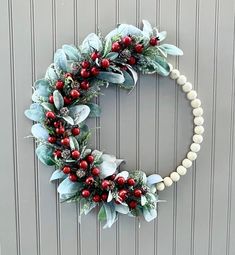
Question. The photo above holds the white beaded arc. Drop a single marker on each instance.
(197, 138)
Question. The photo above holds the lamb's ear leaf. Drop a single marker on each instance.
(58, 99)
(79, 113)
(147, 28)
(57, 174)
(39, 132)
(172, 49)
(35, 112)
(116, 78)
(149, 213)
(71, 52)
(90, 43)
(95, 110)
(60, 60)
(45, 154)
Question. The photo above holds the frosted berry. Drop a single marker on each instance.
(96, 198)
(153, 41)
(105, 184)
(132, 60)
(132, 204)
(139, 48)
(95, 71)
(131, 182)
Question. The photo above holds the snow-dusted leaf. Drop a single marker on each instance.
(69, 120)
(107, 168)
(45, 154)
(122, 208)
(111, 215)
(95, 110)
(51, 74)
(172, 49)
(68, 187)
(35, 112)
(47, 106)
(71, 52)
(116, 78)
(162, 35)
(147, 29)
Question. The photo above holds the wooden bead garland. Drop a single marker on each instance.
(198, 130)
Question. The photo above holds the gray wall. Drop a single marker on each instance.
(151, 128)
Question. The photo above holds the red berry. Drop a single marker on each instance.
(60, 130)
(132, 204)
(65, 141)
(75, 154)
(51, 99)
(137, 193)
(96, 198)
(56, 124)
(153, 41)
(104, 196)
(68, 75)
(86, 193)
(132, 60)
(112, 177)
(73, 177)
(59, 85)
(67, 100)
(95, 55)
(66, 169)
(51, 139)
(84, 73)
(120, 181)
(139, 48)
(50, 115)
(85, 64)
(90, 159)
(74, 93)
(122, 193)
(85, 85)
(95, 171)
(95, 71)
(116, 47)
(105, 184)
(105, 63)
(127, 40)
(89, 180)
(83, 164)
(57, 153)
(120, 199)
(131, 182)
(75, 131)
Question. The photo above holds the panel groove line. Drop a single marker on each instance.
(14, 132)
(216, 35)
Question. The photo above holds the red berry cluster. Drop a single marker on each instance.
(128, 42)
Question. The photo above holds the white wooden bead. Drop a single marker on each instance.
(197, 112)
(181, 170)
(181, 80)
(198, 121)
(187, 163)
(196, 103)
(175, 74)
(195, 147)
(167, 181)
(199, 130)
(170, 66)
(187, 87)
(197, 138)
(174, 176)
(192, 155)
(192, 95)
(160, 186)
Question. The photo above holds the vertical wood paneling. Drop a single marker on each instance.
(150, 128)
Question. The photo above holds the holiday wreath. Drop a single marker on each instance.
(64, 99)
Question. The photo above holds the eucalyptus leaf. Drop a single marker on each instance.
(57, 174)
(58, 99)
(115, 78)
(39, 132)
(45, 154)
(95, 110)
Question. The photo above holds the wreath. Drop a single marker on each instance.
(64, 99)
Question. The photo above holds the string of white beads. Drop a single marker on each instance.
(198, 130)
